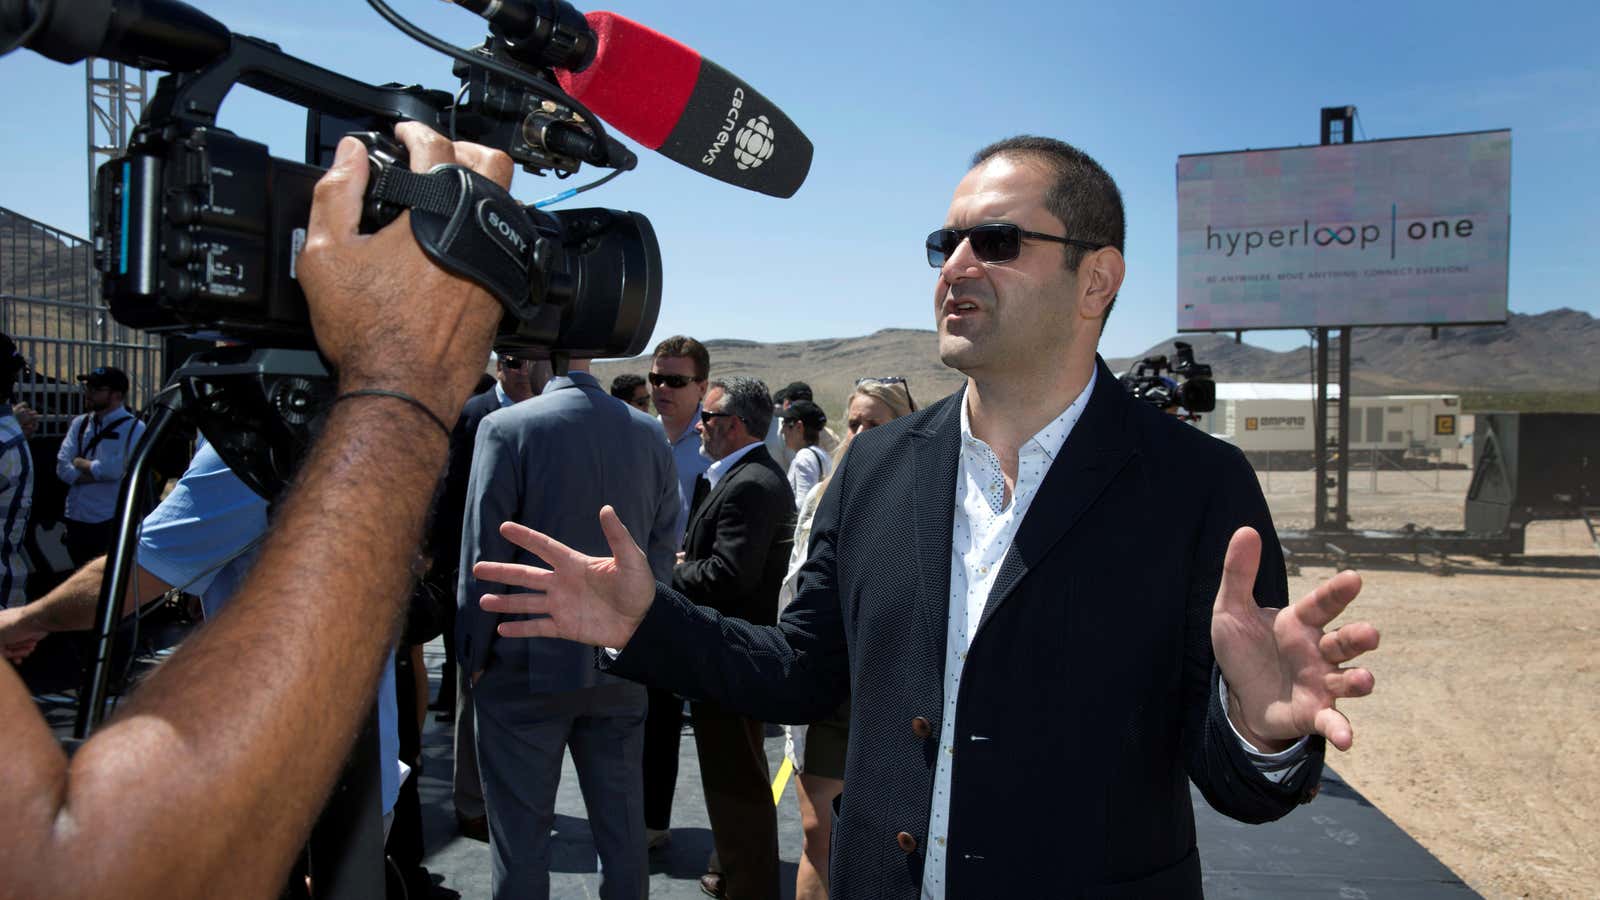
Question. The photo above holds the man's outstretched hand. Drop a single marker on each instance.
(1283, 669)
(588, 599)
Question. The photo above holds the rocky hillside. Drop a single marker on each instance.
(1547, 352)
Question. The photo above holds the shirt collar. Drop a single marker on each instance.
(1052, 436)
(720, 467)
(571, 379)
(501, 395)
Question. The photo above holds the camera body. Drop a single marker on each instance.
(1196, 392)
(197, 229)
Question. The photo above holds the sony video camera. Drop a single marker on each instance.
(197, 229)
(1196, 392)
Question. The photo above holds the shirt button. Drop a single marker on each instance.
(921, 727)
(906, 841)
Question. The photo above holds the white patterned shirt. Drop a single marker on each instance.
(983, 530)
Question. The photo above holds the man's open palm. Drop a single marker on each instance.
(1283, 668)
(590, 599)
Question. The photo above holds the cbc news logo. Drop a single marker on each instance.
(754, 143)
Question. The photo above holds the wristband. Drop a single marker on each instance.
(398, 396)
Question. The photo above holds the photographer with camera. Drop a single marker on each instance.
(208, 779)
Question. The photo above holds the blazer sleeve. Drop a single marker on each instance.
(796, 671)
(745, 524)
(493, 496)
(1216, 762)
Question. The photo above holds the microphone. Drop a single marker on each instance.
(669, 98)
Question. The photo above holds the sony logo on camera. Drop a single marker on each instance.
(503, 232)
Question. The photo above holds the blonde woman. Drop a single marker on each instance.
(817, 750)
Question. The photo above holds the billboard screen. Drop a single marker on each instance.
(1399, 232)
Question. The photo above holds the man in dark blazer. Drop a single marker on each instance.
(549, 462)
(735, 553)
(515, 379)
(1051, 606)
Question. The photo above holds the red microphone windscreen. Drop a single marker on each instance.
(640, 80)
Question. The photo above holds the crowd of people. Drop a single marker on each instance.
(967, 582)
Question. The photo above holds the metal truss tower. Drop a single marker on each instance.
(116, 96)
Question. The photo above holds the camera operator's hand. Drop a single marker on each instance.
(362, 289)
(591, 600)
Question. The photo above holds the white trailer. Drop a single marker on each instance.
(1280, 418)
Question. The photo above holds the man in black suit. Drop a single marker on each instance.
(1051, 606)
(735, 552)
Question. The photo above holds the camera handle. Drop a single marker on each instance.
(194, 98)
(226, 393)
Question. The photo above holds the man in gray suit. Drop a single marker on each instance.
(548, 463)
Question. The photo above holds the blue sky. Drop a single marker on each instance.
(895, 96)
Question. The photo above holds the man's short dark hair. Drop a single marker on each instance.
(686, 347)
(624, 386)
(1081, 193)
(748, 399)
(795, 390)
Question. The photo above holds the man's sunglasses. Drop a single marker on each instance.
(512, 362)
(672, 381)
(996, 242)
(707, 415)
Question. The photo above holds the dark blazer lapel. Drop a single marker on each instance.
(1098, 447)
(934, 455)
(722, 483)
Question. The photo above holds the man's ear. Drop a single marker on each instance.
(1099, 279)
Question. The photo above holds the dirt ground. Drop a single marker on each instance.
(1480, 738)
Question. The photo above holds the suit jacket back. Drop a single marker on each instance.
(550, 463)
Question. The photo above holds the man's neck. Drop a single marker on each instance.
(676, 428)
(100, 415)
(1007, 410)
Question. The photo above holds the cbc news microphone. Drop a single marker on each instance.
(669, 98)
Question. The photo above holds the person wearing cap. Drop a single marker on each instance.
(794, 392)
(16, 481)
(802, 424)
(92, 459)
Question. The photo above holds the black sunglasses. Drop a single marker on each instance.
(995, 242)
(707, 415)
(512, 362)
(672, 381)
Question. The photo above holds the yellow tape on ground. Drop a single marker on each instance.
(782, 779)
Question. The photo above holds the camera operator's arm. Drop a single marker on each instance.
(210, 776)
(70, 607)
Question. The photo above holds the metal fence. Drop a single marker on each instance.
(50, 305)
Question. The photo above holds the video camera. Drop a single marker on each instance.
(197, 229)
(1196, 393)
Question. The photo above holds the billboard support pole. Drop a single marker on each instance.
(1332, 414)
